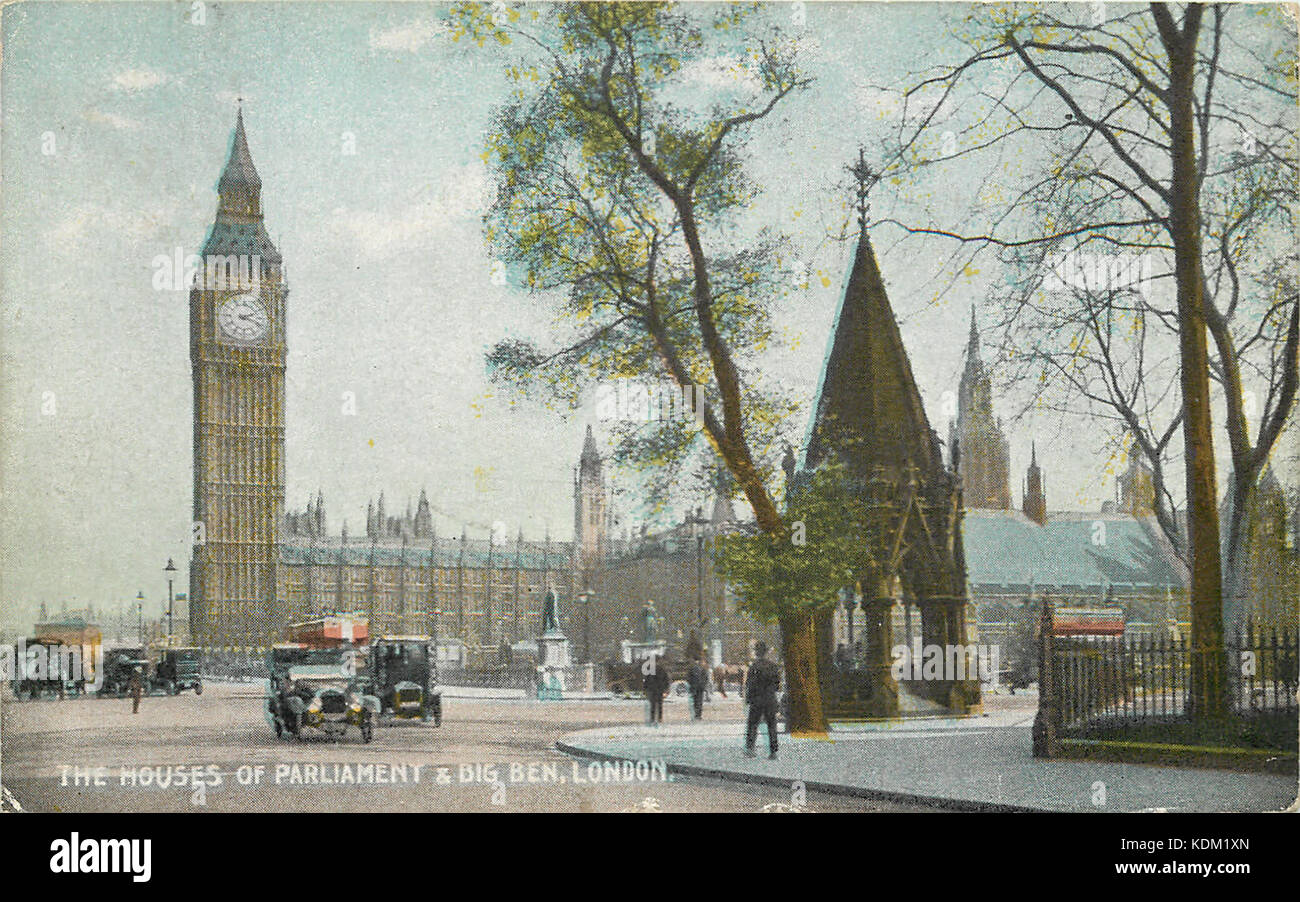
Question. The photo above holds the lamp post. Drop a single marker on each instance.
(586, 628)
(170, 570)
(139, 615)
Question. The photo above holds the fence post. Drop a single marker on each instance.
(1047, 721)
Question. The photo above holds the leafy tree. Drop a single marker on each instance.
(822, 549)
(621, 185)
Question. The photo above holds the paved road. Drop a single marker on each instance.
(408, 767)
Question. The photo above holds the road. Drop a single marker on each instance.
(489, 755)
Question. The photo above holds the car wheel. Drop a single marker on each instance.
(198, 689)
(367, 729)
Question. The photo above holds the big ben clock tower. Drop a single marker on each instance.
(237, 358)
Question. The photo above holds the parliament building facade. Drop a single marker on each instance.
(257, 567)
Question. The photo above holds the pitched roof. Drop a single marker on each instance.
(1006, 549)
(240, 171)
(868, 406)
(446, 553)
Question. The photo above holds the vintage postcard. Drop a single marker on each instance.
(649, 407)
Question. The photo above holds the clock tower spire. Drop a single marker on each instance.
(237, 360)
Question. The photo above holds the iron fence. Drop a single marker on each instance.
(1149, 678)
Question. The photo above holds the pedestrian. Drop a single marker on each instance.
(655, 684)
(698, 679)
(761, 685)
(136, 685)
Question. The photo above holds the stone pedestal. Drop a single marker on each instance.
(552, 672)
(715, 653)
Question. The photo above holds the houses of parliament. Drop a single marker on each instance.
(257, 566)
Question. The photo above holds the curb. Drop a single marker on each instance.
(885, 795)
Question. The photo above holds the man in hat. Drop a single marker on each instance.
(136, 685)
(761, 686)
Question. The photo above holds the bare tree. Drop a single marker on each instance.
(1118, 126)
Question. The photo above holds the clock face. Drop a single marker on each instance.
(243, 319)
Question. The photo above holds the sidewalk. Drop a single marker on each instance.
(966, 764)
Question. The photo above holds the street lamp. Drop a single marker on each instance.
(139, 614)
(586, 628)
(170, 570)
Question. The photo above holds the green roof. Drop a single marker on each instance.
(1083, 551)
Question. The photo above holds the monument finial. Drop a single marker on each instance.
(865, 178)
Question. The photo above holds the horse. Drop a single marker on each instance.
(734, 672)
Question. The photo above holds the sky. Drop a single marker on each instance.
(367, 124)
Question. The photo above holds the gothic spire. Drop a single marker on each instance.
(240, 171)
(867, 380)
(589, 451)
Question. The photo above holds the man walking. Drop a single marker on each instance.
(760, 691)
(655, 684)
(698, 679)
(136, 685)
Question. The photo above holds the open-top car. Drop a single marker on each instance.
(404, 676)
(319, 689)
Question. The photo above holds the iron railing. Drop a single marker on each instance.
(1149, 678)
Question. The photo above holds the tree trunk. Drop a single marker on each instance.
(1208, 698)
(803, 690)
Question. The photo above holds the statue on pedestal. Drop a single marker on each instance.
(649, 623)
(550, 613)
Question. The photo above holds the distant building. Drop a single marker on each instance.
(982, 449)
(1265, 582)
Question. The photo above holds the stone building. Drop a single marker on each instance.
(673, 568)
(983, 453)
(1264, 586)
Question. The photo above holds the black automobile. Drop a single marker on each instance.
(321, 689)
(119, 664)
(33, 687)
(179, 669)
(404, 676)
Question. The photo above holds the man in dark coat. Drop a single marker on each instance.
(698, 679)
(136, 685)
(760, 691)
(655, 683)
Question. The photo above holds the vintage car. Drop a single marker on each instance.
(34, 685)
(321, 689)
(119, 664)
(404, 675)
(179, 669)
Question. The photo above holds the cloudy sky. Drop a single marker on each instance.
(117, 120)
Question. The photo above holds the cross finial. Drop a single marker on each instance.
(866, 178)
